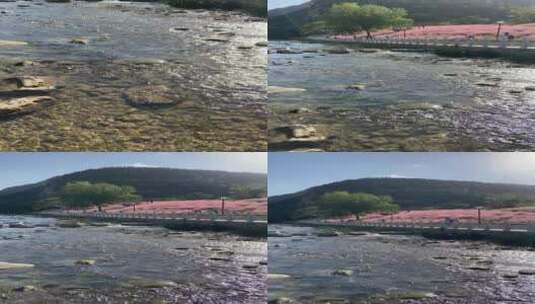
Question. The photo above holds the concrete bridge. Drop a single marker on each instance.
(246, 224)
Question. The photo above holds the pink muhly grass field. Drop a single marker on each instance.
(510, 215)
(248, 206)
(453, 32)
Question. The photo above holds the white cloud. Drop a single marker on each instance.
(397, 176)
(141, 165)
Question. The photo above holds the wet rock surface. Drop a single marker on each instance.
(120, 264)
(388, 101)
(107, 59)
(393, 269)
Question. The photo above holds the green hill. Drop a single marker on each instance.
(407, 193)
(150, 183)
(291, 22)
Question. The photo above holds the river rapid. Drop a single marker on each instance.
(381, 100)
(127, 264)
(99, 56)
(381, 268)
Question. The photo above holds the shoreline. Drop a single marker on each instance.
(254, 8)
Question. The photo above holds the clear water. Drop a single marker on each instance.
(393, 264)
(436, 103)
(123, 254)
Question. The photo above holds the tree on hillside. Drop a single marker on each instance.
(244, 192)
(342, 203)
(85, 194)
(507, 200)
(524, 14)
(348, 18)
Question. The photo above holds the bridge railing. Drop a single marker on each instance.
(436, 225)
(162, 216)
(466, 43)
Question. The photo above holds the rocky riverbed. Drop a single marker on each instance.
(121, 76)
(45, 260)
(309, 265)
(330, 97)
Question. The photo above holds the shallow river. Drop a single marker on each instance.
(394, 269)
(207, 62)
(400, 100)
(133, 264)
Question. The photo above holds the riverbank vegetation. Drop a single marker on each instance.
(254, 7)
(348, 18)
(343, 203)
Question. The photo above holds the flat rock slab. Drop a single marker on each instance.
(147, 283)
(152, 95)
(7, 266)
(284, 90)
(26, 83)
(22, 105)
(217, 39)
(11, 43)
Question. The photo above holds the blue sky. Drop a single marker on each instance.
(272, 4)
(290, 172)
(22, 168)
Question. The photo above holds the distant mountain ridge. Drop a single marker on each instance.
(289, 22)
(408, 193)
(150, 183)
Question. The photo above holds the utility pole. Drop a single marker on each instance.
(499, 30)
(222, 205)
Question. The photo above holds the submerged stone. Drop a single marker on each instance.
(338, 51)
(288, 51)
(479, 268)
(25, 288)
(277, 276)
(299, 111)
(69, 224)
(528, 272)
(487, 84)
(415, 296)
(357, 87)
(83, 41)
(282, 300)
(151, 95)
(178, 29)
(343, 272)
(369, 51)
(85, 262)
(328, 233)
